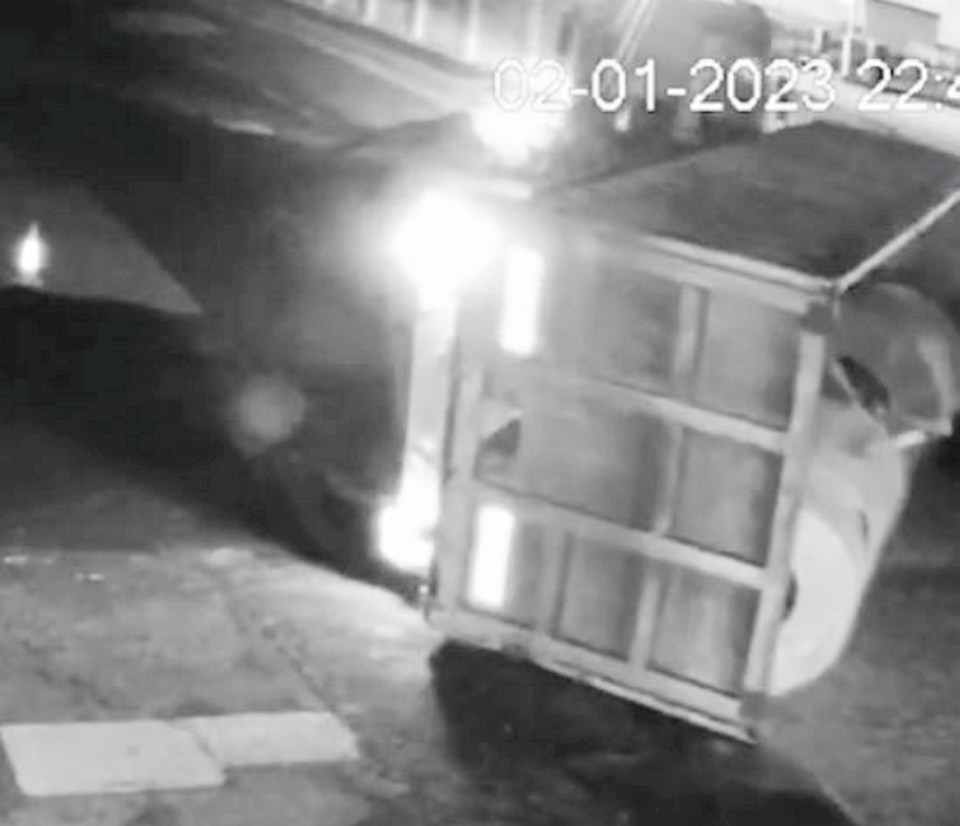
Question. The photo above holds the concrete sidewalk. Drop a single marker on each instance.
(132, 683)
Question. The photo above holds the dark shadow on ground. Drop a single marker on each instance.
(507, 717)
(128, 383)
(255, 230)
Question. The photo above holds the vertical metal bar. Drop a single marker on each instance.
(429, 381)
(553, 577)
(846, 56)
(686, 355)
(670, 471)
(691, 323)
(819, 41)
(455, 537)
(806, 394)
(419, 19)
(470, 46)
(648, 610)
(872, 263)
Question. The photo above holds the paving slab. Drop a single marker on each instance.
(245, 740)
(113, 636)
(56, 760)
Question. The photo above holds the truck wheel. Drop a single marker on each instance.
(853, 500)
(830, 576)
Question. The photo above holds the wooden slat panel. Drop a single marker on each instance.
(578, 453)
(671, 470)
(748, 360)
(601, 597)
(639, 542)
(634, 344)
(704, 630)
(556, 565)
(726, 497)
(689, 343)
(540, 378)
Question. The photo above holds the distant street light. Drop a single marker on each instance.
(31, 258)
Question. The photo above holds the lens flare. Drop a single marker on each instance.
(442, 244)
(517, 136)
(405, 527)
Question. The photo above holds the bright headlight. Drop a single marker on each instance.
(404, 528)
(443, 243)
(516, 136)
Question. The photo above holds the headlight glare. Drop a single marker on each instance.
(442, 244)
(516, 136)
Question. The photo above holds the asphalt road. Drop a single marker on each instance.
(156, 566)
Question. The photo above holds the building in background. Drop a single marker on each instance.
(949, 29)
(811, 13)
(900, 25)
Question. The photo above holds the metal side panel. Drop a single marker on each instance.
(620, 498)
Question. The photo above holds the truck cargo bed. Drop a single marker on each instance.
(817, 199)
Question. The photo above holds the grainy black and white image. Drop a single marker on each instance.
(480, 413)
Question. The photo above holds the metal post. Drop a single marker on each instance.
(419, 16)
(470, 46)
(896, 245)
(819, 41)
(846, 54)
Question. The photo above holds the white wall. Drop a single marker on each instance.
(899, 25)
(817, 12)
(932, 22)
(929, 6)
(950, 24)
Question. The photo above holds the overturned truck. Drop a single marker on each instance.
(661, 426)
